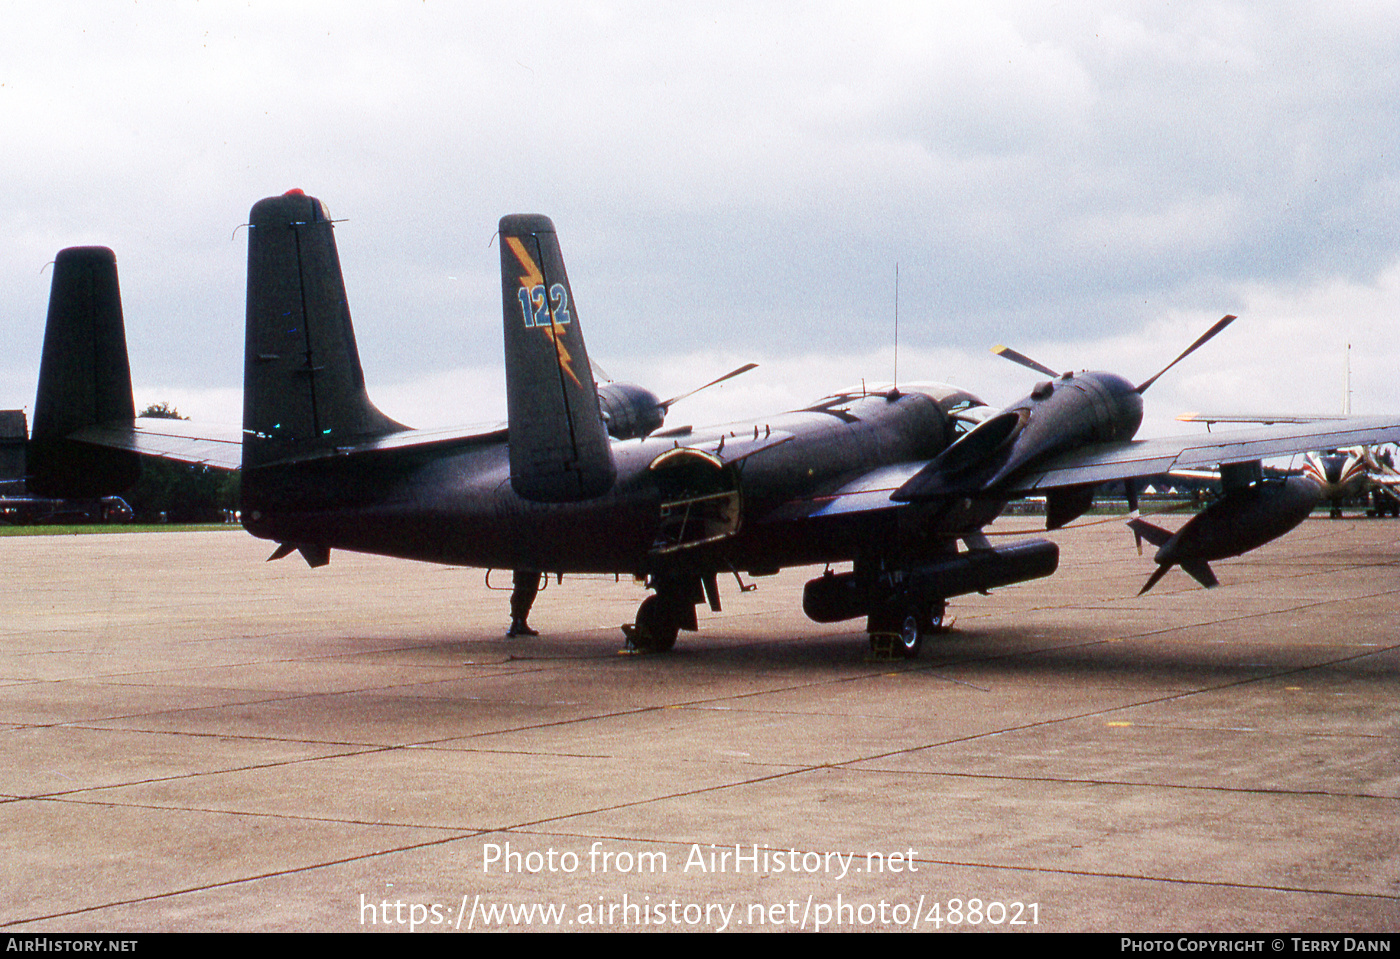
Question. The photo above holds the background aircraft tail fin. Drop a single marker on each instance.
(559, 448)
(303, 387)
(84, 380)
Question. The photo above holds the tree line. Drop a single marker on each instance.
(180, 492)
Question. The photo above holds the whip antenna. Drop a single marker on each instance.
(896, 326)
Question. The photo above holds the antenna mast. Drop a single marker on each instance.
(1346, 397)
(896, 326)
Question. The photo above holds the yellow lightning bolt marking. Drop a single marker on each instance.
(534, 278)
(556, 333)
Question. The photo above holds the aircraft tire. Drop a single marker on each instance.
(657, 625)
(911, 634)
(936, 618)
(910, 621)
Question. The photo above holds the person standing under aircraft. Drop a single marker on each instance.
(525, 585)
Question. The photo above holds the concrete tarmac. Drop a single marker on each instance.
(193, 739)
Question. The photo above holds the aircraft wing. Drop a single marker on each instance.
(1386, 479)
(1104, 462)
(865, 493)
(1266, 418)
(221, 447)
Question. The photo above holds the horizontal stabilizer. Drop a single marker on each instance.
(201, 444)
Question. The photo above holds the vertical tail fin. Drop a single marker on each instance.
(303, 387)
(14, 440)
(559, 448)
(84, 380)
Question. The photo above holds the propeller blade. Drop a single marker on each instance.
(1223, 322)
(1024, 360)
(666, 404)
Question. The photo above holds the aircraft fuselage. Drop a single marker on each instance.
(459, 507)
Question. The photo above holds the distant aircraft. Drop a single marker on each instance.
(890, 480)
(19, 507)
(1355, 471)
(22, 509)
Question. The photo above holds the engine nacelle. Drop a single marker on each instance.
(1058, 415)
(631, 412)
(839, 596)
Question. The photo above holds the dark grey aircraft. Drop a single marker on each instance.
(19, 507)
(897, 482)
(24, 510)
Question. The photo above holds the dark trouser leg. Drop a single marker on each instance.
(525, 584)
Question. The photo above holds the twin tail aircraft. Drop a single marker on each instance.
(899, 483)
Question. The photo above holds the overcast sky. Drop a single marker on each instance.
(1091, 183)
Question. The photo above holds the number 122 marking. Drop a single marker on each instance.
(536, 312)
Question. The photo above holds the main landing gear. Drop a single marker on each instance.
(658, 623)
(1383, 502)
(669, 610)
(902, 624)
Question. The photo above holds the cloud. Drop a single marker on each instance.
(728, 180)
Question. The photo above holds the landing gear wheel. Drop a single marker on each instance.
(936, 621)
(657, 626)
(911, 634)
(900, 627)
